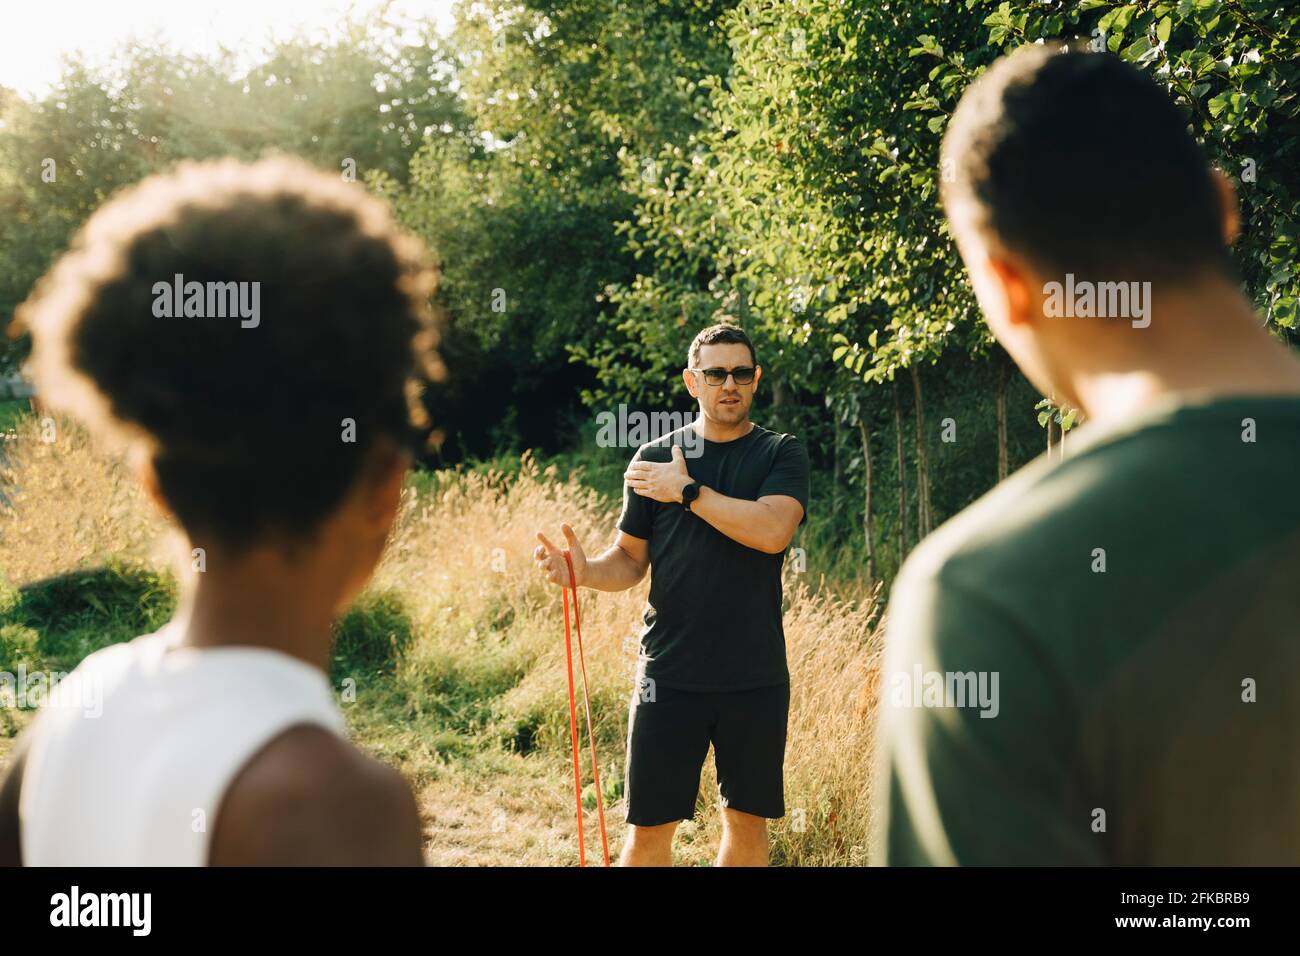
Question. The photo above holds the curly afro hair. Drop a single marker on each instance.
(246, 424)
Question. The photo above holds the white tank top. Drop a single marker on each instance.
(134, 752)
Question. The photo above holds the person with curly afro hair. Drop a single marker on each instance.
(257, 337)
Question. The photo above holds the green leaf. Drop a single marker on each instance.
(999, 18)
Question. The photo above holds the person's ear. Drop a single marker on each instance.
(1229, 211)
(689, 378)
(758, 373)
(1010, 284)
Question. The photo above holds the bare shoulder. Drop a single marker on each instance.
(310, 798)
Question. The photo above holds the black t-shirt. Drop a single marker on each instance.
(713, 622)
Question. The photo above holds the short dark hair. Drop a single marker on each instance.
(1080, 162)
(244, 425)
(721, 334)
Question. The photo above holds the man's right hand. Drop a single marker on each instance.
(550, 559)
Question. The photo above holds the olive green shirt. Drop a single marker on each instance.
(1099, 661)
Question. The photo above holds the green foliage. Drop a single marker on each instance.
(1234, 67)
(370, 637)
(808, 204)
(569, 103)
(1063, 416)
(19, 646)
(10, 412)
(58, 621)
(368, 97)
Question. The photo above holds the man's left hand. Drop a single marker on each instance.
(662, 481)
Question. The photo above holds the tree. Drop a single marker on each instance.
(360, 102)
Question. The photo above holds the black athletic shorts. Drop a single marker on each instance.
(668, 739)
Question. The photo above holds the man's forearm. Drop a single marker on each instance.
(751, 523)
(615, 570)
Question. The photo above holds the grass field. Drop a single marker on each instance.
(10, 412)
(455, 652)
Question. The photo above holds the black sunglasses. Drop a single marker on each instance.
(742, 374)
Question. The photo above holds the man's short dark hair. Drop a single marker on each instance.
(1081, 163)
(722, 334)
(245, 426)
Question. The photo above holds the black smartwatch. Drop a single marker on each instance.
(689, 494)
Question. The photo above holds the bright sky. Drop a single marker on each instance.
(36, 35)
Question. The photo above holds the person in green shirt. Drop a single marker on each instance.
(1099, 661)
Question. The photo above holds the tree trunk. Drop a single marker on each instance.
(1003, 465)
(838, 472)
(923, 524)
(779, 393)
(866, 504)
(779, 400)
(902, 477)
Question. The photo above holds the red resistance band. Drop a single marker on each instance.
(573, 719)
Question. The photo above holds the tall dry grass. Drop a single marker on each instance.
(473, 705)
(71, 504)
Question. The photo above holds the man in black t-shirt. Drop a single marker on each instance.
(712, 527)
